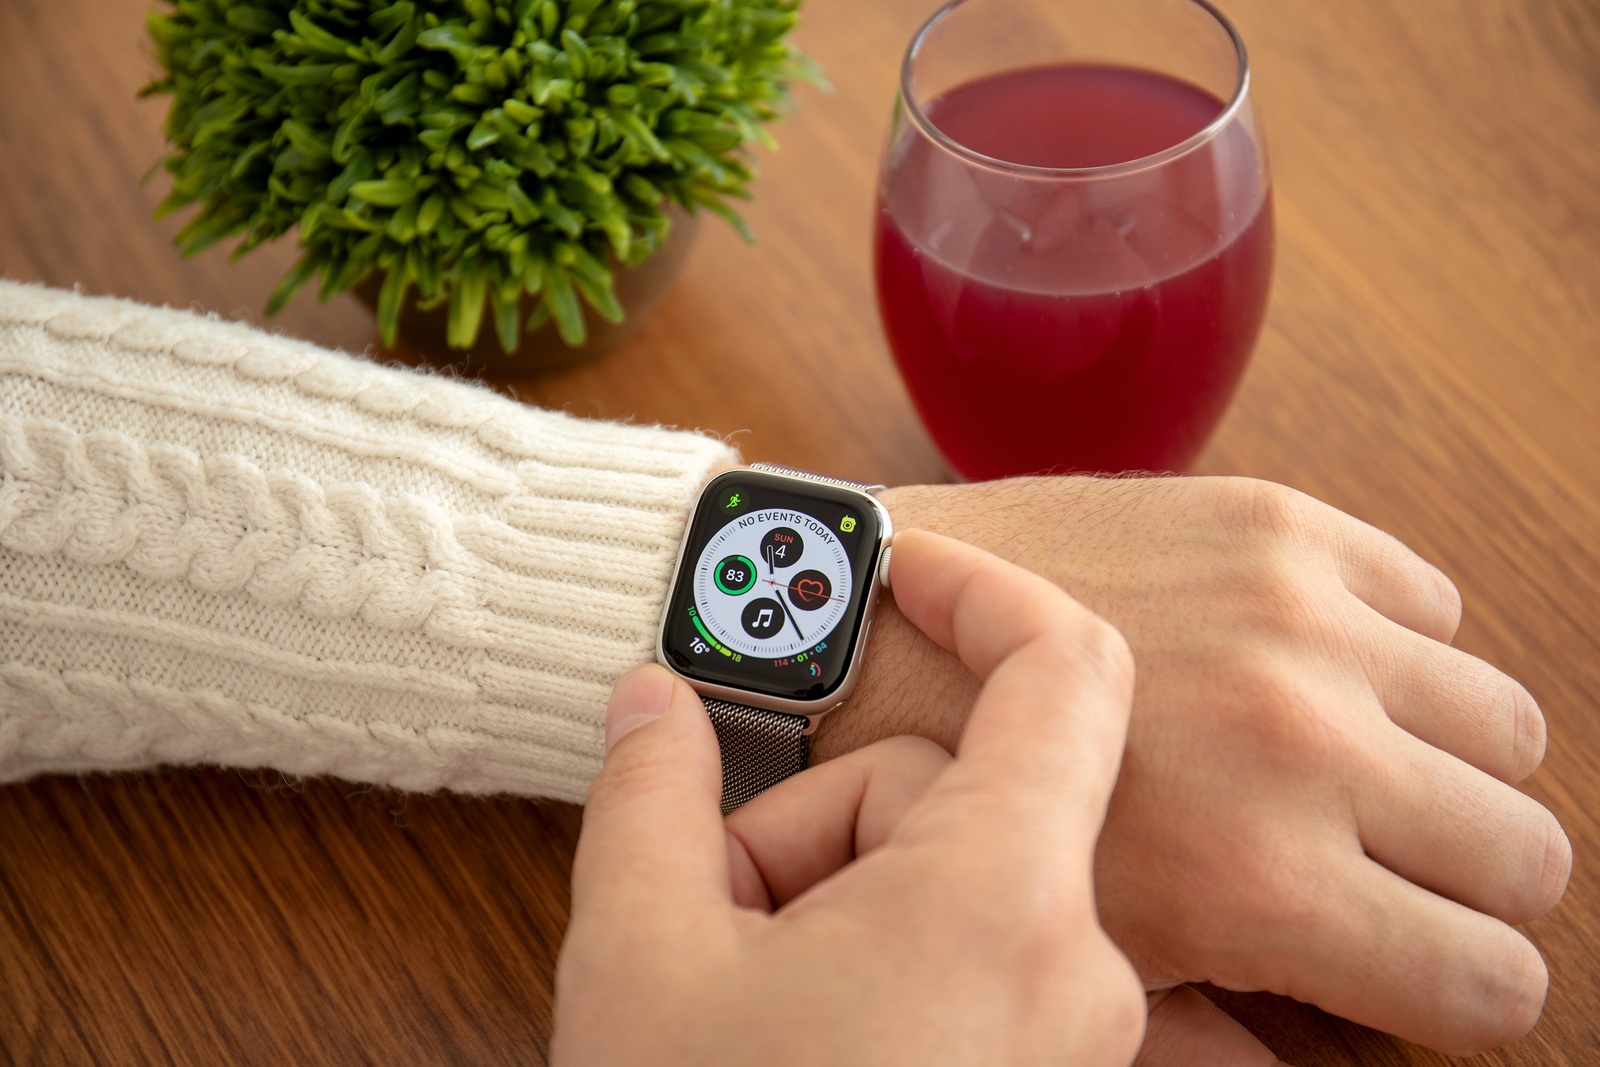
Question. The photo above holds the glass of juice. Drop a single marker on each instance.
(1074, 232)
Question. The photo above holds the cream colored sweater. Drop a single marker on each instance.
(221, 546)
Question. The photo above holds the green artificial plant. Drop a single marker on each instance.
(472, 150)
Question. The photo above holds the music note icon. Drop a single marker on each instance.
(762, 618)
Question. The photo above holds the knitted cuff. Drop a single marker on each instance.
(223, 546)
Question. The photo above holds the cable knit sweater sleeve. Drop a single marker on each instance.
(221, 546)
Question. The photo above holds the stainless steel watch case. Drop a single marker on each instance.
(876, 576)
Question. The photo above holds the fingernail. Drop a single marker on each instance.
(640, 696)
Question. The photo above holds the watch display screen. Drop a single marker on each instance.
(772, 587)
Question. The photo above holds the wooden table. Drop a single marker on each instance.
(1431, 363)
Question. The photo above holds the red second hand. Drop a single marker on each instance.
(792, 589)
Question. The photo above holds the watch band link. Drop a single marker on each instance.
(760, 748)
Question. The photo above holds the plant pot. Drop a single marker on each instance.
(638, 289)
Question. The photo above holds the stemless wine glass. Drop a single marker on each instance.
(1074, 232)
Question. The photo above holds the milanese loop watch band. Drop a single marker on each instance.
(773, 468)
(761, 748)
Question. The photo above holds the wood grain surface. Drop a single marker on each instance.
(1431, 363)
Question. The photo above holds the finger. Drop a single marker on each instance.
(652, 840)
(1394, 581)
(1368, 945)
(799, 832)
(1047, 730)
(1458, 703)
(1187, 1030)
(1451, 829)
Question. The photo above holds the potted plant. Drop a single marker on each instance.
(466, 159)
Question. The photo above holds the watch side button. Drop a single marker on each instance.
(883, 567)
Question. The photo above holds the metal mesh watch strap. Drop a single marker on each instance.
(759, 749)
(794, 472)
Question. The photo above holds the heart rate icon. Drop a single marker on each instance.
(810, 590)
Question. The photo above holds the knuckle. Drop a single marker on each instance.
(1446, 594)
(1041, 918)
(1093, 974)
(1278, 598)
(1281, 717)
(1425, 586)
(1511, 998)
(1112, 986)
(1106, 652)
(1128, 1008)
(1529, 734)
(1025, 930)
(1551, 858)
(1261, 509)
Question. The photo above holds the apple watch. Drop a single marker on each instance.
(769, 611)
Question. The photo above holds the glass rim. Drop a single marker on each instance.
(920, 119)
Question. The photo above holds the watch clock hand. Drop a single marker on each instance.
(773, 572)
(808, 594)
(789, 616)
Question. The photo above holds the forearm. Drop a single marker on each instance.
(220, 546)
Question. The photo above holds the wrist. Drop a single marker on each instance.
(909, 685)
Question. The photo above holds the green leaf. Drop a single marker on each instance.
(453, 39)
(467, 295)
(391, 300)
(317, 39)
(405, 37)
(428, 216)
(391, 18)
(207, 228)
(641, 189)
(403, 223)
(299, 74)
(563, 305)
(566, 220)
(384, 193)
(482, 136)
(507, 313)
(717, 207)
(247, 158)
(298, 275)
(341, 146)
(601, 297)
(521, 111)
(577, 50)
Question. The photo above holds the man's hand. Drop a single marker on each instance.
(1315, 799)
(893, 906)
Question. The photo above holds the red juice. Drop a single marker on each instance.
(1093, 322)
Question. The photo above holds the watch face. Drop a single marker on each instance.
(773, 586)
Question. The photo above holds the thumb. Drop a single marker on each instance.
(652, 826)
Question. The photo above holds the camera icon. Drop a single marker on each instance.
(847, 524)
